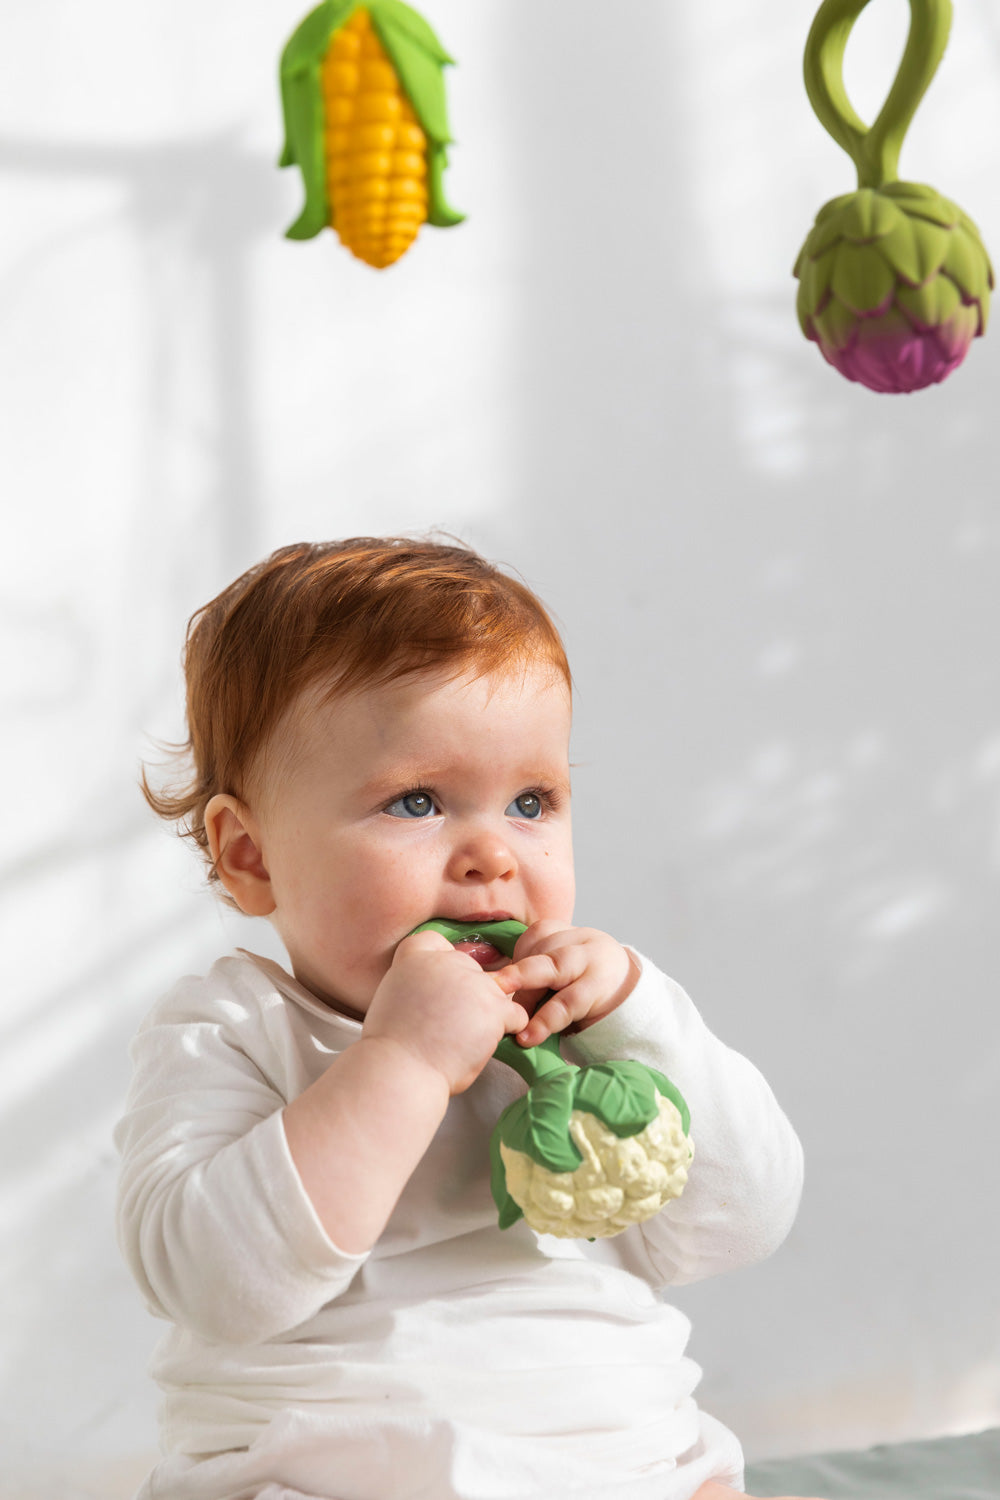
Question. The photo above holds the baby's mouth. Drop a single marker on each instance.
(486, 956)
(473, 936)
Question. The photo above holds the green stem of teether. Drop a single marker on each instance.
(533, 1063)
(875, 150)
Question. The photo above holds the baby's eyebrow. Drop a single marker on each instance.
(399, 777)
(394, 777)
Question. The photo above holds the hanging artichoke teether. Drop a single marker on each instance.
(894, 280)
(366, 122)
(587, 1151)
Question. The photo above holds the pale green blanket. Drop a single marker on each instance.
(953, 1468)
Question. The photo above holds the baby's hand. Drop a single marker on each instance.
(440, 1006)
(590, 972)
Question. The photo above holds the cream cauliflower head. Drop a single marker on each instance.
(588, 1151)
(621, 1181)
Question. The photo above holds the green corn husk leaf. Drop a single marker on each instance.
(419, 60)
(302, 107)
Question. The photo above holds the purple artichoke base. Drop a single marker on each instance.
(890, 359)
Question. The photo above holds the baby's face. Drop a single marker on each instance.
(426, 798)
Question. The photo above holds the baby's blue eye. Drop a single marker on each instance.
(413, 805)
(528, 805)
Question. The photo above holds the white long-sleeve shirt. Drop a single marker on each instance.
(453, 1361)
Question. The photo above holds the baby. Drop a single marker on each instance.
(378, 736)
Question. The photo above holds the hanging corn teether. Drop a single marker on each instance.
(894, 280)
(587, 1151)
(366, 122)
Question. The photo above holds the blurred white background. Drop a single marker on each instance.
(780, 593)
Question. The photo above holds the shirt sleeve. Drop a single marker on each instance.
(745, 1182)
(213, 1220)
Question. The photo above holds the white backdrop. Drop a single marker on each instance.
(780, 592)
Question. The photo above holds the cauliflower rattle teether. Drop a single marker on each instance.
(587, 1151)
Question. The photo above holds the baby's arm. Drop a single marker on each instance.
(213, 1221)
(240, 1212)
(358, 1133)
(745, 1181)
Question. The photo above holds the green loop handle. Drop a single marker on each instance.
(874, 150)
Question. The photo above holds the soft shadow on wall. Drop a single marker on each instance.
(191, 213)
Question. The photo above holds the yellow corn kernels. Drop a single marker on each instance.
(376, 151)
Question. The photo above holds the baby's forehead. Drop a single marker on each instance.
(383, 713)
(430, 688)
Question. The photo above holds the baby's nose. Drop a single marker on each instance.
(483, 856)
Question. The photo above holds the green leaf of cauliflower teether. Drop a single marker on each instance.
(539, 1127)
(620, 1094)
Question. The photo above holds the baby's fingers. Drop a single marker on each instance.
(539, 972)
(555, 1015)
(517, 1019)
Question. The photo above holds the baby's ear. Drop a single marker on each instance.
(234, 839)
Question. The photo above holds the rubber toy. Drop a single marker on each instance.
(587, 1152)
(366, 122)
(894, 280)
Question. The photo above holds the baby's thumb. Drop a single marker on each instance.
(517, 1018)
(423, 942)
